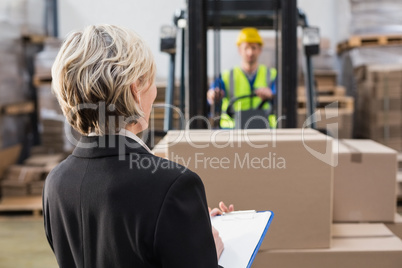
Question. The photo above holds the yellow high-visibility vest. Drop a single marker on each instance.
(237, 85)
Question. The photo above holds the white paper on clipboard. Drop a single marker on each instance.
(242, 233)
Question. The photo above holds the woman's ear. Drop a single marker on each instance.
(134, 92)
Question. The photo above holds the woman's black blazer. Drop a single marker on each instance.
(113, 204)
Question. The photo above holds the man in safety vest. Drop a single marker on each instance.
(250, 77)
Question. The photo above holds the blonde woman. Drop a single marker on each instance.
(112, 203)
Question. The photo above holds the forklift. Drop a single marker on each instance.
(281, 16)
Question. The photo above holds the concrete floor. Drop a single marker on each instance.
(23, 243)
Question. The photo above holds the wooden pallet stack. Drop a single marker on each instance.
(157, 117)
(335, 108)
(158, 112)
(379, 101)
(21, 185)
(356, 41)
(52, 122)
(28, 179)
(399, 178)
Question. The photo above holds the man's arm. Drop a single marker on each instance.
(216, 91)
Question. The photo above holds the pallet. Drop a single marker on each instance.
(22, 204)
(38, 80)
(368, 41)
(342, 102)
(26, 107)
(34, 38)
(324, 91)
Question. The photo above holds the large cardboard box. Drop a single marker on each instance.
(173, 136)
(284, 171)
(353, 246)
(364, 182)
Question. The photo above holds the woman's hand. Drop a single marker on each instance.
(218, 242)
(222, 209)
(219, 211)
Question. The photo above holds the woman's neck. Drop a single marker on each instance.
(135, 128)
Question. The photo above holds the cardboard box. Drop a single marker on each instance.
(24, 173)
(385, 132)
(323, 78)
(393, 143)
(399, 185)
(337, 122)
(23, 180)
(353, 246)
(396, 226)
(8, 157)
(36, 187)
(386, 104)
(364, 182)
(161, 148)
(385, 118)
(14, 188)
(42, 160)
(174, 136)
(266, 170)
(47, 101)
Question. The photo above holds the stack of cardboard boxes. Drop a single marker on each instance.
(19, 179)
(333, 106)
(8, 157)
(399, 178)
(56, 135)
(379, 100)
(54, 131)
(28, 179)
(45, 59)
(318, 188)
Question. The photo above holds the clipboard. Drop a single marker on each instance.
(242, 233)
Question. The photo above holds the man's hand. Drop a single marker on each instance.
(264, 93)
(215, 94)
(222, 208)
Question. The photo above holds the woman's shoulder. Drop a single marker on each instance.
(175, 168)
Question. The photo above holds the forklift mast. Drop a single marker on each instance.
(280, 15)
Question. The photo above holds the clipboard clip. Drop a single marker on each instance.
(241, 214)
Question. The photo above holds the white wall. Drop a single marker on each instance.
(146, 18)
(321, 14)
(331, 16)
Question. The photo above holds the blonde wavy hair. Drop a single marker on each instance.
(93, 74)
